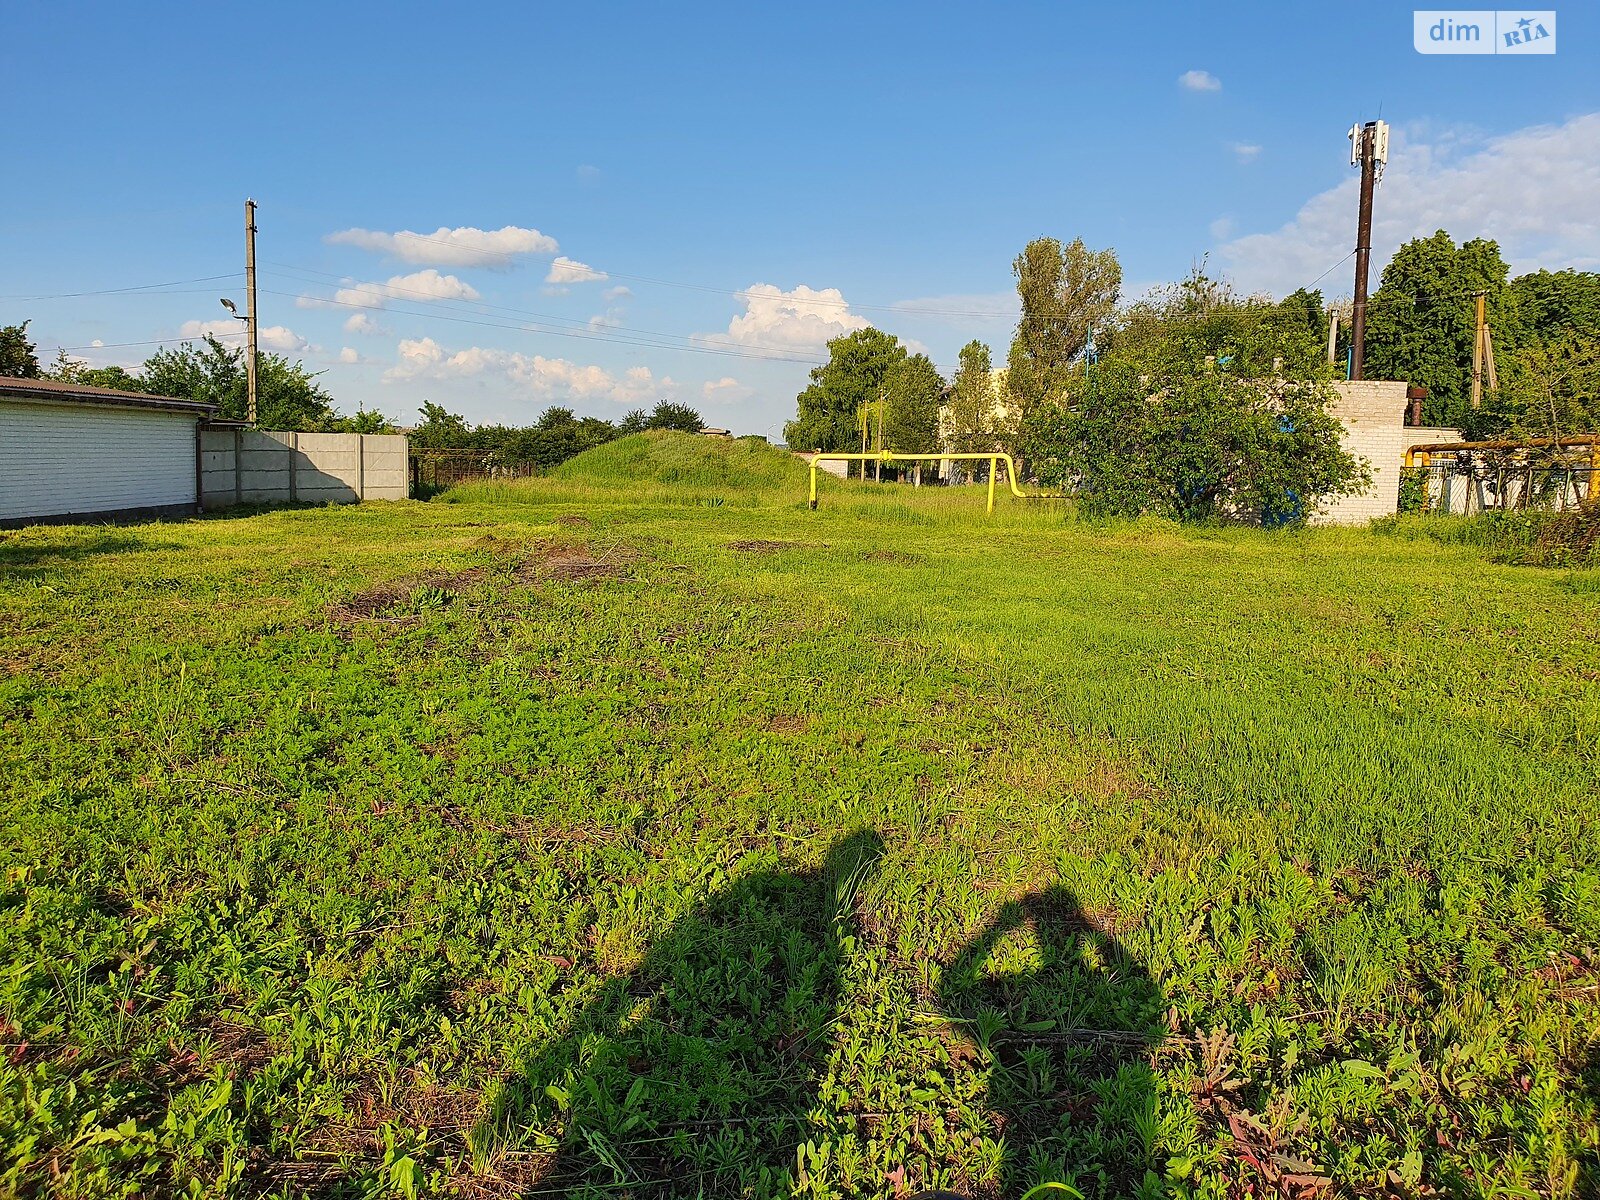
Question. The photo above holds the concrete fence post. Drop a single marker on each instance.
(238, 465)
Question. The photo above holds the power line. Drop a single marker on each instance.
(154, 342)
(143, 287)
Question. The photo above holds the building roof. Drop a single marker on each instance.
(55, 391)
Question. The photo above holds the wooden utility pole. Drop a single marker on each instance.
(1369, 149)
(252, 324)
(1482, 351)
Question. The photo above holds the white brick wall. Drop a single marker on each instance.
(70, 459)
(1373, 414)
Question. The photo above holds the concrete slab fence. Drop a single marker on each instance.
(255, 466)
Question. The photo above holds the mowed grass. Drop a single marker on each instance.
(639, 832)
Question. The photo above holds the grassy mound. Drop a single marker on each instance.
(658, 456)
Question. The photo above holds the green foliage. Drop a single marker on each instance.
(790, 853)
(288, 395)
(1207, 405)
(853, 376)
(912, 391)
(1065, 291)
(1194, 445)
(1421, 321)
(18, 357)
(1246, 336)
(970, 425)
(670, 415)
(1554, 303)
(73, 370)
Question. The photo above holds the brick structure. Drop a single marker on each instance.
(1373, 412)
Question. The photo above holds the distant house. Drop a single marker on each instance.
(77, 453)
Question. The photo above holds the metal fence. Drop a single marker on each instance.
(435, 470)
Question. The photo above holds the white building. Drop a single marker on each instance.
(79, 453)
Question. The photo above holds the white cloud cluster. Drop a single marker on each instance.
(278, 338)
(726, 390)
(803, 319)
(465, 246)
(362, 322)
(1245, 152)
(1200, 81)
(570, 270)
(546, 379)
(425, 286)
(1531, 190)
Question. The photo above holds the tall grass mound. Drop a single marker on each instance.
(690, 460)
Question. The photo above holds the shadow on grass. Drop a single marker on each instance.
(692, 1075)
(29, 550)
(1067, 1022)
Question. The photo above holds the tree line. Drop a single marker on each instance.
(556, 436)
(1196, 401)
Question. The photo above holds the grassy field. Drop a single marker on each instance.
(638, 832)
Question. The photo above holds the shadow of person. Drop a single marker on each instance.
(1067, 1024)
(693, 1074)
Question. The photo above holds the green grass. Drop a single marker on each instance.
(666, 838)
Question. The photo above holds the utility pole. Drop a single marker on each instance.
(1369, 150)
(250, 304)
(1482, 351)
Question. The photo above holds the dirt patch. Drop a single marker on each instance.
(572, 520)
(401, 600)
(783, 723)
(580, 564)
(764, 547)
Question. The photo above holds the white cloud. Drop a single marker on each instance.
(546, 379)
(588, 173)
(349, 355)
(425, 286)
(726, 390)
(362, 322)
(610, 319)
(1245, 152)
(1222, 228)
(618, 292)
(466, 246)
(97, 343)
(570, 270)
(1531, 190)
(277, 338)
(1200, 81)
(803, 319)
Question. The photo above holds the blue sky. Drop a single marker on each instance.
(888, 159)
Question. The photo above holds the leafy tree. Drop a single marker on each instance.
(912, 390)
(1202, 318)
(288, 395)
(1552, 303)
(440, 430)
(1196, 444)
(668, 415)
(1065, 292)
(75, 370)
(1207, 406)
(636, 421)
(1552, 389)
(969, 421)
(18, 359)
(853, 376)
(1421, 322)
